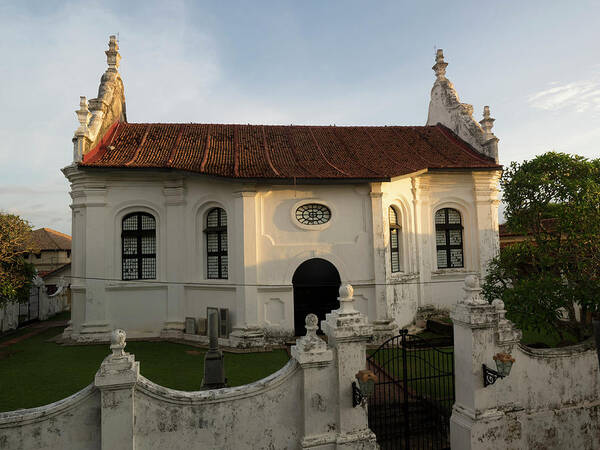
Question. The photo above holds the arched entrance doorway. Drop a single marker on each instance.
(316, 284)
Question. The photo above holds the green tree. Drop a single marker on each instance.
(554, 200)
(15, 273)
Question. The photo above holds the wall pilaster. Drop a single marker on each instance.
(174, 194)
(245, 268)
(485, 188)
(423, 214)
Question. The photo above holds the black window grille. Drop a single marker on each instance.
(216, 244)
(394, 240)
(313, 214)
(449, 238)
(138, 247)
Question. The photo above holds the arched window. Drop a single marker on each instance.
(138, 245)
(449, 238)
(216, 244)
(394, 240)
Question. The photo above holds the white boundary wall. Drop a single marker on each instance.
(550, 400)
(306, 404)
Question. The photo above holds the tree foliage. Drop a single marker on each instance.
(15, 273)
(553, 200)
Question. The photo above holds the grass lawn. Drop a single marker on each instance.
(34, 372)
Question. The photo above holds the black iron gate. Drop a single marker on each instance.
(411, 406)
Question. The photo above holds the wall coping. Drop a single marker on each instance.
(25, 416)
(178, 397)
(560, 352)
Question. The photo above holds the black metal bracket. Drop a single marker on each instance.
(489, 376)
(357, 396)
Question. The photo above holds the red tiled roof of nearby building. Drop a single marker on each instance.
(285, 152)
(49, 239)
(53, 271)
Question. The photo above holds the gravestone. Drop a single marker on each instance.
(190, 325)
(214, 372)
(202, 326)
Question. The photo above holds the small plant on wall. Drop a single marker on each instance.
(550, 279)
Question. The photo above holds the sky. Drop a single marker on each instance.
(535, 63)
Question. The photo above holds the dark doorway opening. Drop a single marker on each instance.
(316, 285)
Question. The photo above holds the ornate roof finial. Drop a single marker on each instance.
(83, 115)
(440, 65)
(112, 54)
(487, 123)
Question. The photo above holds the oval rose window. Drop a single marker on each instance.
(313, 214)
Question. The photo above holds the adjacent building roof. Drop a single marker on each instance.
(285, 152)
(49, 239)
(53, 272)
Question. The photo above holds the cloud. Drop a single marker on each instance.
(579, 96)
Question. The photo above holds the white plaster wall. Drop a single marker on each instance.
(416, 199)
(266, 245)
(550, 400)
(72, 423)
(258, 415)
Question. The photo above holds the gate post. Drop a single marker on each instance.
(318, 407)
(116, 380)
(348, 333)
(475, 322)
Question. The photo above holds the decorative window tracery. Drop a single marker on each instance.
(449, 238)
(395, 230)
(313, 214)
(138, 247)
(217, 261)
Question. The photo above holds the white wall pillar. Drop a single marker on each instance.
(244, 258)
(383, 326)
(175, 257)
(423, 236)
(475, 324)
(348, 332)
(116, 380)
(318, 391)
(486, 203)
(96, 325)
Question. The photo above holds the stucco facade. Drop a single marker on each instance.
(266, 243)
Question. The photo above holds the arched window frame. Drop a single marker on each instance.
(216, 230)
(395, 235)
(447, 244)
(143, 237)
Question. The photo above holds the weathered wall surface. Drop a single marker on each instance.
(549, 400)
(72, 423)
(256, 415)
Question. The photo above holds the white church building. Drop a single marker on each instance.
(266, 221)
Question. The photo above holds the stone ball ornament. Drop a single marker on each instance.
(498, 304)
(471, 282)
(311, 320)
(346, 291)
(118, 337)
(117, 343)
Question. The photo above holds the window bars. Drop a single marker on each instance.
(216, 244)
(138, 247)
(449, 238)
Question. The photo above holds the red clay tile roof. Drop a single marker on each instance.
(285, 152)
(49, 239)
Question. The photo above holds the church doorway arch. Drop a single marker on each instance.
(316, 285)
